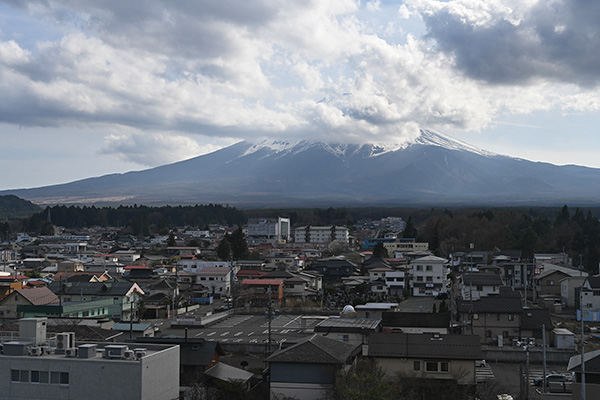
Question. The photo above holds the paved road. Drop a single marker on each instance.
(507, 378)
(251, 329)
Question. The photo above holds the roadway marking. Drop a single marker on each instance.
(211, 333)
(224, 333)
(253, 340)
(237, 340)
(200, 333)
(294, 320)
(238, 333)
(285, 330)
(251, 333)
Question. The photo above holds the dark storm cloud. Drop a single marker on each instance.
(552, 40)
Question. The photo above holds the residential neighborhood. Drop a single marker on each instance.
(303, 307)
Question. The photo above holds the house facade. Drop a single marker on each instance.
(426, 356)
(216, 279)
(429, 276)
(476, 285)
(308, 369)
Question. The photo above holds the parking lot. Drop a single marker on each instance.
(251, 329)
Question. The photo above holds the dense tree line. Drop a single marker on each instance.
(576, 233)
(140, 219)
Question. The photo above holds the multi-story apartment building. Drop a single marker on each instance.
(403, 246)
(322, 234)
(263, 230)
(429, 276)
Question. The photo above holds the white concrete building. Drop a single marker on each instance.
(195, 266)
(322, 234)
(429, 276)
(216, 279)
(263, 230)
(35, 368)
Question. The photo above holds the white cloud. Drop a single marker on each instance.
(155, 148)
(173, 73)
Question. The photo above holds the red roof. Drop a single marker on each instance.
(136, 267)
(250, 273)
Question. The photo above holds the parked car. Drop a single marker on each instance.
(551, 378)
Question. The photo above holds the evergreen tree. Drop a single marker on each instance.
(224, 249)
(171, 240)
(409, 231)
(239, 246)
(379, 250)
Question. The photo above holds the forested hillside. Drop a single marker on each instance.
(14, 207)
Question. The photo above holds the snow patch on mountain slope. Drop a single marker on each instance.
(280, 148)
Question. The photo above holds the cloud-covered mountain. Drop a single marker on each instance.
(430, 169)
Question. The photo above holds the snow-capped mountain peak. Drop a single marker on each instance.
(426, 138)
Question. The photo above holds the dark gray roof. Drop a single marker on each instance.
(317, 349)
(491, 304)
(278, 274)
(533, 318)
(594, 283)
(348, 325)
(91, 288)
(390, 319)
(425, 346)
(192, 351)
(482, 279)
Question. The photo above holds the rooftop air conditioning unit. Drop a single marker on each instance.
(139, 353)
(71, 352)
(115, 351)
(36, 351)
(128, 355)
(64, 341)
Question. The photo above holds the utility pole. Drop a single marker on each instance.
(582, 348)
(527, 373)
(131, 305)
(544, 362)
(269, 317)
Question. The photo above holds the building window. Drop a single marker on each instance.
(429, 279)
(444, 366)
(417, 365)
(550, 282)
(428, 268)
(35, 376)
(15, 375)
(344, 338)
(419, 268)
(64, 378)
(511, 317)
(24, 376)
(505, 334)
(431, 366)
(419, 279)
(488, 333)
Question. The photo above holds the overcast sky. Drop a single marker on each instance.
(92, 87)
